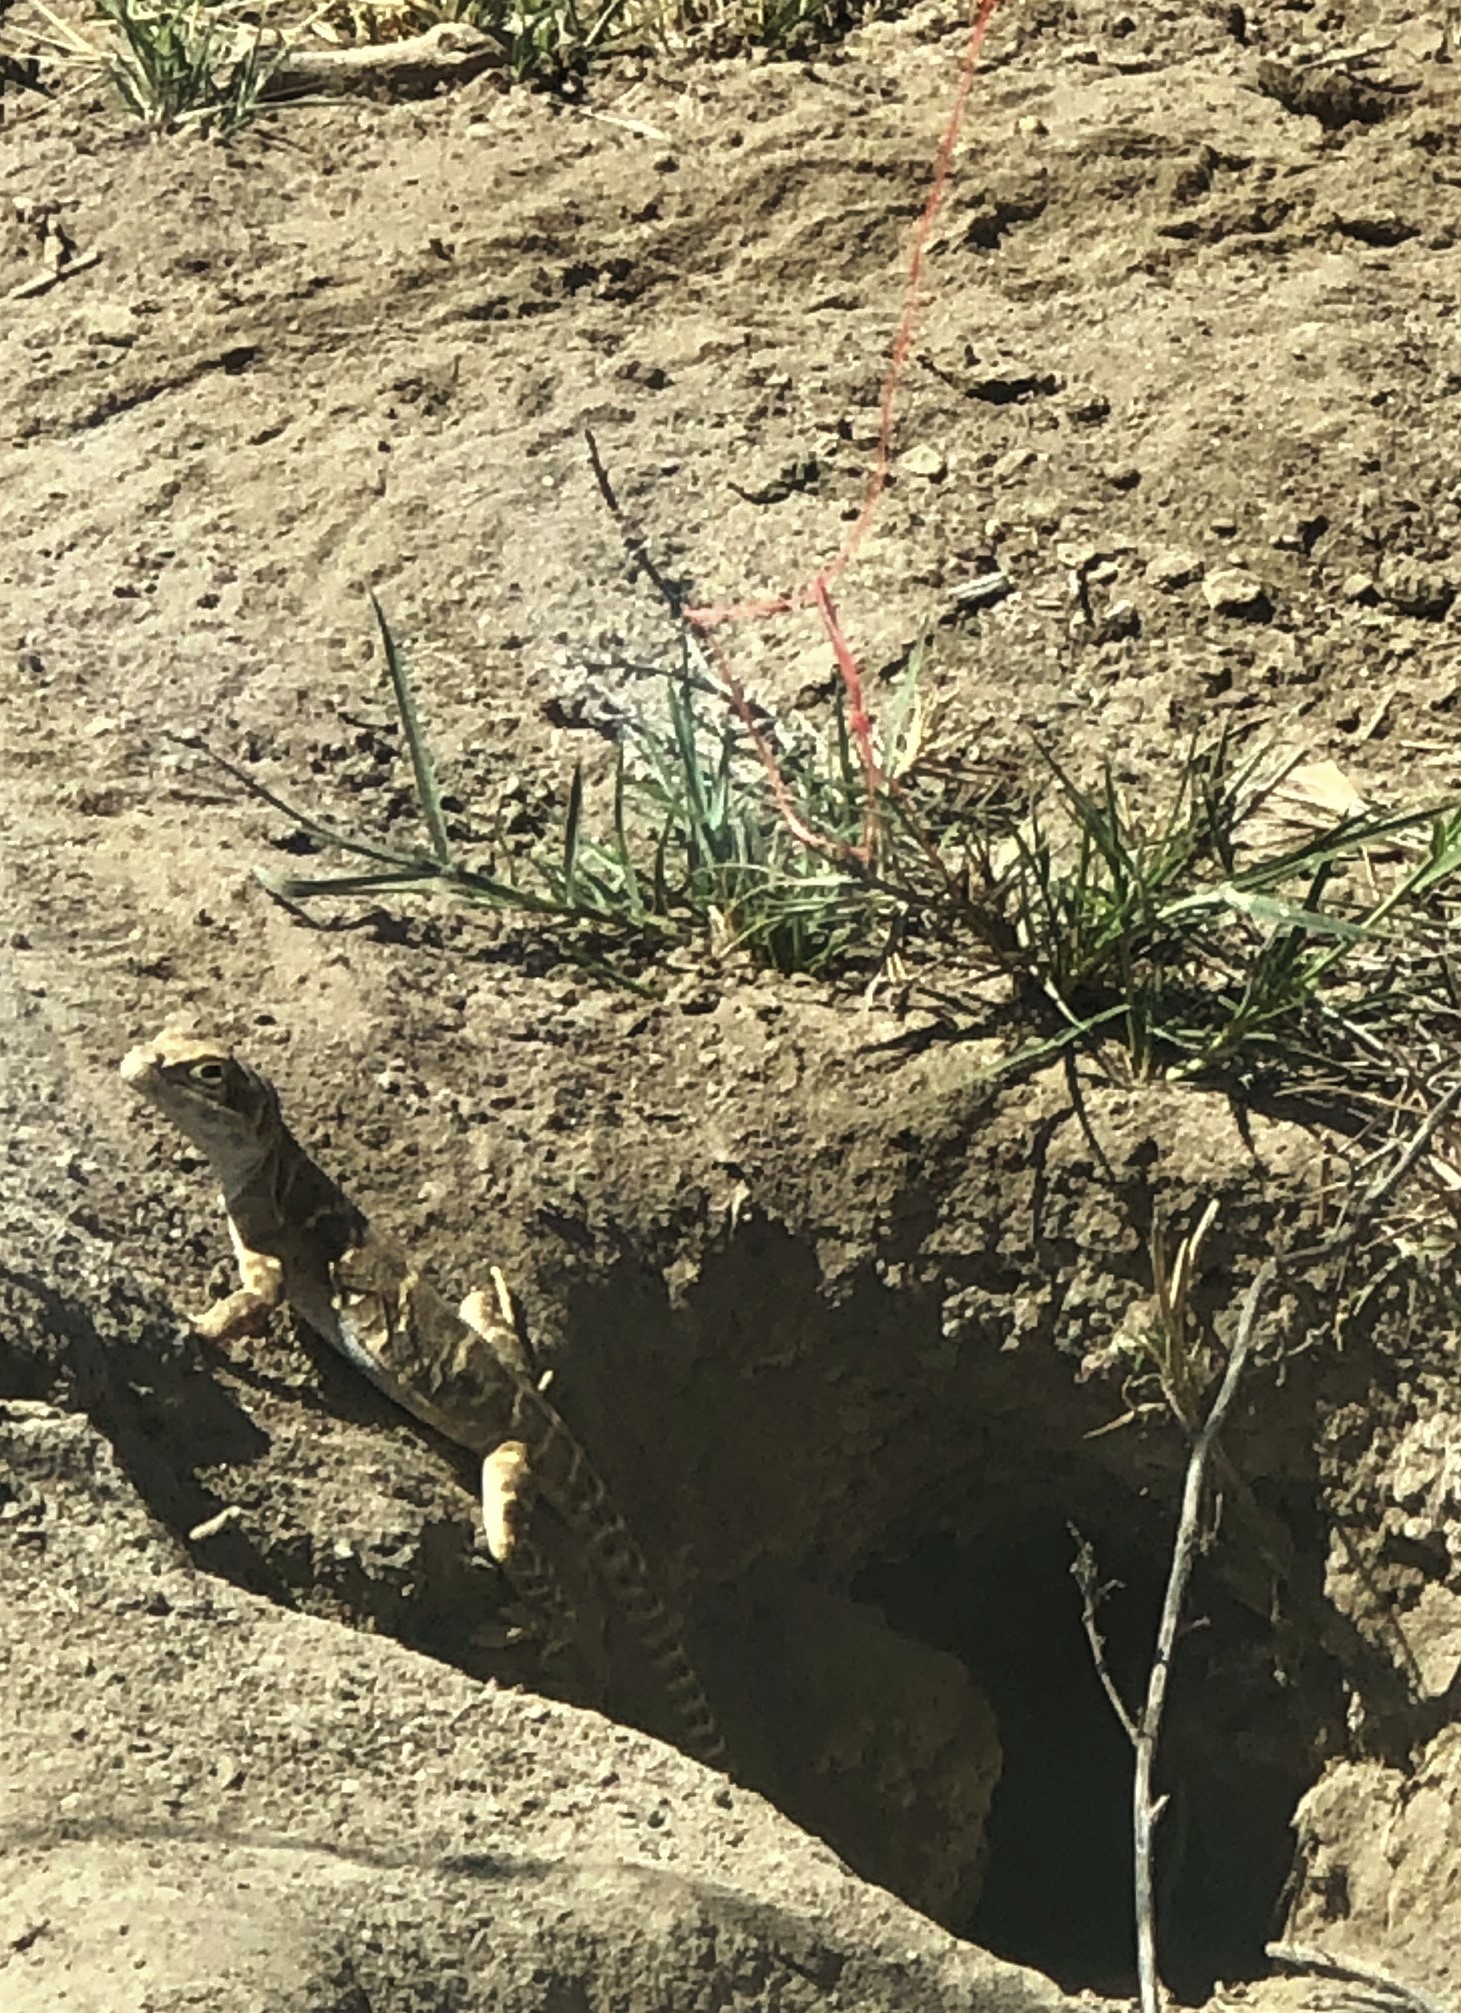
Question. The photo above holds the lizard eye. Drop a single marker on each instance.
(209, 1073)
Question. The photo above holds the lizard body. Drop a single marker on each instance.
(299, 1239)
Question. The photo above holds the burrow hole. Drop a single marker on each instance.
(1241, 1744)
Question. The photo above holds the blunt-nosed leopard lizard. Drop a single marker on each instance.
(299, 1239)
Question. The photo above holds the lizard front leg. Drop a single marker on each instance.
(247, 1311)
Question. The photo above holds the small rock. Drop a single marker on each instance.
(1233, 591)
(1174, 567)
(1012, 463)
(1301, 534)
(1359, 587)
(986, 587)
(112, 328)
(1415, 588)
(1089, 408)
(926, 460)
(1039, 513)
(93, 800)
(1376, 227)
(1121, 475)
(1121, 621)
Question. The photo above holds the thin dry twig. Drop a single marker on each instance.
(1087, 1578)
(639, 127)
(635, 543)
(43, 282)
(448, 52)
(1146, 1810)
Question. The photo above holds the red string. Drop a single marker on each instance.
(816, 592)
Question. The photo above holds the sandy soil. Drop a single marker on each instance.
(814, 1295)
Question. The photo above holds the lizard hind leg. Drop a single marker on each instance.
(516, 1529)
(506, 1480)
(495, 1319)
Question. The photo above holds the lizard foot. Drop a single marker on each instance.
(495, 1319)
(246, 1311)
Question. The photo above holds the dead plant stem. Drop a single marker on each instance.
(1147, 1810)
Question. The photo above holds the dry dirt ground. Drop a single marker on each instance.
(818, 1299)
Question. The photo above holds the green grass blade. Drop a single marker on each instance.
(625, 853)
(299, 887)
(691, 774)
(571, 828)
(1271, 912)
(316, 828)
(661, 854)
(427, 793)
(1445, 854)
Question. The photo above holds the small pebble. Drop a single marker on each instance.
(1174, 567)
(1234, 591)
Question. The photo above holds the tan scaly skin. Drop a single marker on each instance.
(300, 1240)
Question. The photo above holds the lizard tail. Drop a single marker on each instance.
(625, 1569)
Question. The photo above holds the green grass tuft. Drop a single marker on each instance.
(1207, 956)
(178, 61)
(693, 847)
(1196, 940)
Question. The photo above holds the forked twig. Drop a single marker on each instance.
(1088, 1579)
(1146, 1811)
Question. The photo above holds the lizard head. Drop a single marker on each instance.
(225, 1108)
